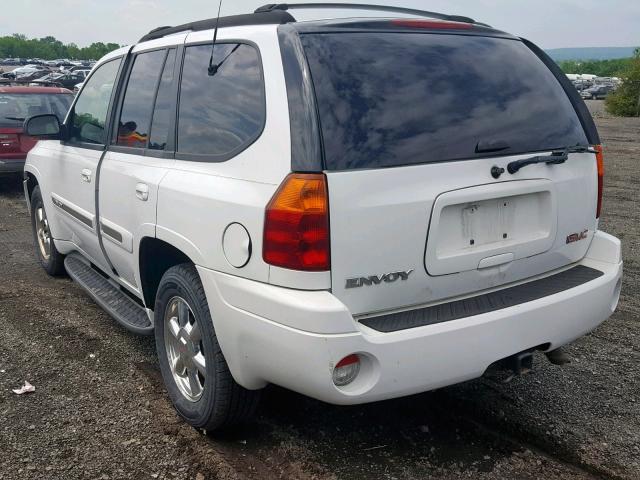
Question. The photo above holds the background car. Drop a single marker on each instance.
(61, 79)
(597, 92)
(18, 103)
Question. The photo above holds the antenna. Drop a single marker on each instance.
(213, 69)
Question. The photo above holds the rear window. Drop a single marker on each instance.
(389, 99)
(15, 107)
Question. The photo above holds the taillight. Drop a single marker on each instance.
(600, 162)
(296, 226)
(9, 142)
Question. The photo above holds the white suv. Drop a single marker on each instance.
(352, 209)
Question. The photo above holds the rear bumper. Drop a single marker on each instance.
(11, 165)
(293, 338)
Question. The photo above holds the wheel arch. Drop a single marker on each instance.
(31, 183)
(155, 257)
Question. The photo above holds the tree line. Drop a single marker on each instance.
(601, 68)
(625, 101)
(49, 48)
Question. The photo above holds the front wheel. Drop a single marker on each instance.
(50, 259)
(193, 367)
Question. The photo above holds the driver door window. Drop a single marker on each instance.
(89, 117)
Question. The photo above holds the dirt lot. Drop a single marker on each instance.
(100, 411)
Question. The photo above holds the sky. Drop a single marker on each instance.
(549, 23)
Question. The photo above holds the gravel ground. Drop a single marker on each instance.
(100, 410)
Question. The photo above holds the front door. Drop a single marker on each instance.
(74, 165)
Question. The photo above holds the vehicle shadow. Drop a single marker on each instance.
(404, 437)
(11, 185)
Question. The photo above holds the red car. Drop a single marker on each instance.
(18, 103)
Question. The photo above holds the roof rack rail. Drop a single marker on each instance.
(268, 17)
(382, 8)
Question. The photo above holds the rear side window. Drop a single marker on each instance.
(137, 107)
(220, 114)
(389, 99)
(164, 107)
(90, 111)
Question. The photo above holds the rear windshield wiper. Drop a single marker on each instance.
(556, 157)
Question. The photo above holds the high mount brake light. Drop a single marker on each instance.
(296, 227)
(600, 163)
(432, 24)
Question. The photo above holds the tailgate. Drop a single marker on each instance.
(408, 236)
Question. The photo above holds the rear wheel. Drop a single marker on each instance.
(50, 259)
(193, 367)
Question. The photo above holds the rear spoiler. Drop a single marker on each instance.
(579, 106)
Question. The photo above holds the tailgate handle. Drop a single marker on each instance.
(496, 260)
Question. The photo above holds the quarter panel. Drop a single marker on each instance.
(194, 209)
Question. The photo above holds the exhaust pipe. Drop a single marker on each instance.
(520, 363)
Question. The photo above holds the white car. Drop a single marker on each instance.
(27, 69)
(353, 209)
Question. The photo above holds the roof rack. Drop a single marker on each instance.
(268, 17)
(276, 14)
(272, 7)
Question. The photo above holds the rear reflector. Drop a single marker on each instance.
(296, 227)
(346, 370)
(430, 24)
(600, 162)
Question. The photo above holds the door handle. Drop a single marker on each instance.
(85, 174)
(142, 191)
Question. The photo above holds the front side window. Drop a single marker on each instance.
(89, 117)
(135, 117)
(220, 114)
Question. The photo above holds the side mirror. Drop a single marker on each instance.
(46, 127)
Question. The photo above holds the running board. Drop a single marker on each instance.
(108, 295)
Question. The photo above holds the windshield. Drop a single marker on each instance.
(388, 99)
(15, 107)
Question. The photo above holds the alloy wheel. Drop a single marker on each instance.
(183, 344)
(43, 233)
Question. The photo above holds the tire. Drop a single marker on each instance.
(46, 252)
(206, 396)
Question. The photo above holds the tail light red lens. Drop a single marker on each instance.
(9, 142)
(600, 162)
(296, 227)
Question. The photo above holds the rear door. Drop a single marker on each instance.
(412, 126)
(137, 160)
